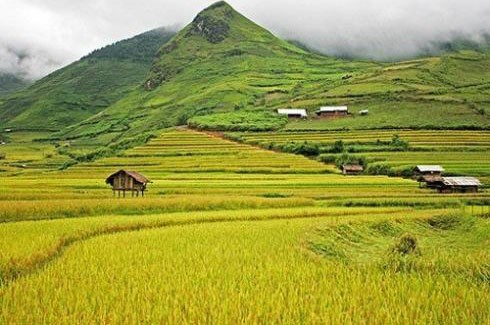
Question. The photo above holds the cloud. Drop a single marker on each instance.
(38, 36)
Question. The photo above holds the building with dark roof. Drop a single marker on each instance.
(123, 180)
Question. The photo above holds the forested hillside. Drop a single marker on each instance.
(85, 87)
(10, 83)
(223, 63)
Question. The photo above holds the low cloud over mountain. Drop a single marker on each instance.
(38, 36)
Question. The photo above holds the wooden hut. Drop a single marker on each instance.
(332, 111)
(458, 185)
(293, 113)
(124, 180)
(352, 169)
(428, 174)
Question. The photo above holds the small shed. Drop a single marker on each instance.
(459, 185)
(293, 112)
(333, 111)
(364, 112)
(428, 173)
(352, 169)
(124, 180)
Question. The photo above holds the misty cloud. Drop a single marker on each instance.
(39, 36)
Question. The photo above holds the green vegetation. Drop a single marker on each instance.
(83, 88)
(449, 245)
(248, 219)
(239, 121)
(244, 215)
(247, 69)
(389, 152)
(224, 64)
(10, 83)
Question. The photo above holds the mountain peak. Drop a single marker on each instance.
(218, 35)
(213, 22)
(219, 4)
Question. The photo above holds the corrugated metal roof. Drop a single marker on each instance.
(333, 109)
(292, 111)
(430, 168)
(357, 168)
(461, 181)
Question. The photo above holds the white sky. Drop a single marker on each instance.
(52, 33)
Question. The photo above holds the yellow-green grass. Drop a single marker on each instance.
(223, 168)
(28, 243)
(235, 272)
(460, 152)
(195, 238)
(23, 153)
(415, 137)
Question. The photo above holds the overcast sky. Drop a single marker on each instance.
(39, 36)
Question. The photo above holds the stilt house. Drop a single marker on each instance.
(122, 181)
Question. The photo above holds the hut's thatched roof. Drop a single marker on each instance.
(135, 175)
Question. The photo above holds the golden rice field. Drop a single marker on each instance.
(231, 233)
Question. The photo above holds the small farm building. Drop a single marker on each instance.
(293, 112)
(428, 173)
(332, 111)
(128, 181)
(458, 184)
(352, 169)
(364, 112)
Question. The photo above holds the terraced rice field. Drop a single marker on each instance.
(464, 153)
(231, 233)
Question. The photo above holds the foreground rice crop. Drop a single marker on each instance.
(230, 233)
(232, 272)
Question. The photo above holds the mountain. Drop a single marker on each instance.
(222, 62)
(85, 87)
(10, 83)
(225, 66)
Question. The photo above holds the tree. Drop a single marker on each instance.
(398, 143)
(338, 147)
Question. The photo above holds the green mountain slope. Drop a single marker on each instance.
(221, 62)
(85, 87)
(10, 83)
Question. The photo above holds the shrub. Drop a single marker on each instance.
(398, 144)
(327, 159)
(3, 156)
(303, 148)
(347, 159)
(338, 147)
(378, 169)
